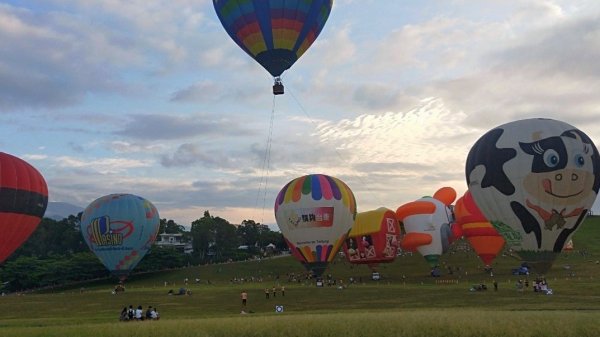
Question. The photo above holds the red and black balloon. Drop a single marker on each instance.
(23, 201)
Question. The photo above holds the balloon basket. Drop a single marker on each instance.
(278, 87)
(316, 268)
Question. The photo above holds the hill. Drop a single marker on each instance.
(60, 210)
(406, 290)
(408, 268)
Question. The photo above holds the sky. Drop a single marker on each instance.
(153, 98)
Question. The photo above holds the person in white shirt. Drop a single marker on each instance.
(139, 313)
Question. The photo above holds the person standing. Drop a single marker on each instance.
(274, 292)
(244, 296)
(283, 291)
(267, 293)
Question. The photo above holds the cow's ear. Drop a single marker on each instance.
(529, 148)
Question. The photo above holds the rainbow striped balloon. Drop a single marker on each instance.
(315, 213)
(273, 32)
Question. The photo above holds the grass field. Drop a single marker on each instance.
(406, 302)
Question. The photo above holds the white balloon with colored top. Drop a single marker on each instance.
(315, 213)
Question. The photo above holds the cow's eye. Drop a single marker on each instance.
(551, 158)
(579, 160)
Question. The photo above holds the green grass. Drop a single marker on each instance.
(406, 302)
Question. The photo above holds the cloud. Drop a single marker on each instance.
(27, 157)
(202, 91)
(192, 154)
(76, 147)
(59, 55)
(53, 59)
(569, 49)
(217, 92)
(101, 165)
(155, 127)
(547, 74)
(126, 147)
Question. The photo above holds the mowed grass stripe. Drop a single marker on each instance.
(422, 323)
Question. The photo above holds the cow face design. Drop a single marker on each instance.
(536, 177)
(561, 170)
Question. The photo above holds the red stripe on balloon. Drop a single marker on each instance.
(247, 30)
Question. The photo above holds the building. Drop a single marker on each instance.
(175, 241)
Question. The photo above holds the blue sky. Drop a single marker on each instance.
(153, 98)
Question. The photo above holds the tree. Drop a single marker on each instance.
(170, 227)
(160, 258)
(202, 235)
(214, 237)
(249, 234)
(55, 237)
(226, 240)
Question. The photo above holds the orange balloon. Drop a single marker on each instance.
(481, 234)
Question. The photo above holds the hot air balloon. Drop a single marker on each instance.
(23, 201)
(274, 33)
(373, 238)
(483, 237)
(535, 180)
(427, 223)
(315, 213)
(120, 229)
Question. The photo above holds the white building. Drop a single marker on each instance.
(174, 240)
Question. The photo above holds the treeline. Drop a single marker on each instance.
(56, 253)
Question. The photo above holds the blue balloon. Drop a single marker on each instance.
(120, 229)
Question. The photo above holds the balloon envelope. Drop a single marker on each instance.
(535, 180)
(483, 237)
(120, 229)
(315, 213)
(427, 224)
(23, 202)
(275, 33)
(373, 238)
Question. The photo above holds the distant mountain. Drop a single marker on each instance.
(61, 210)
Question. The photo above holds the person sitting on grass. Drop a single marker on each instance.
(154, 314)
(124, 316)
(139, 313)
(130, 313)
(149, 312)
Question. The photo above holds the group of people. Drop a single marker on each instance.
(539, 285)
(133, 314)
(273, 291)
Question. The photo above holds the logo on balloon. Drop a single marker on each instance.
(512, 237)
(310, 217)
(102, 234)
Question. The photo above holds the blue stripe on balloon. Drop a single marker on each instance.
(319, 248)
(312, 15)
(317, 193)
(264, 21)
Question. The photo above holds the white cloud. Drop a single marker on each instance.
(127, 147)
(27, 157)
(101, 165)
